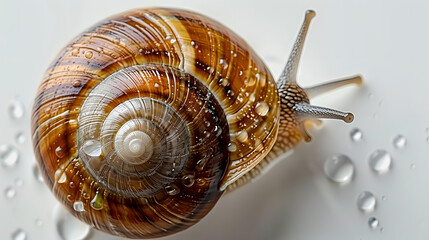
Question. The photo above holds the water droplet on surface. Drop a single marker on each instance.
(380, 161)
(97, 202)
(356, 135)
(188, 180)
(60, 176)
(19, 235)
(88, 54)
(69, 227)
(78, 206)
(9, 155)
(223, 63)
(373, 222)
(207, 123)
(170, 38)
(262, 108)
(383, 198)
(38, 222)
(92, 148)
(76, 83)
(399, 142)
(366, 201)
(172, 189)
(75, 52)
(242, 136)
(16, 109)
(59, 152)
(9, 192)
(20, 138)
(232, 147)
(156, 85)
(36, 173)
(339, 168)
(223, 82)
(194, 44)
(413, 166)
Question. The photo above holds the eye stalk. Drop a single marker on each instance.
(296, 99)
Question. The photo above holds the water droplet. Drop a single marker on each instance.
(170, 38)
(262, 108)
(10, 192)
(339, 168)
(413, 166)
(380, 161)
(16, 109)
(356, 135)
(76, 83)
(384, 198)
(78, 206)
(188, 180)
(230, 93)
(156, 85)
(59, 152)
(172, 189)
(69, 227)
(97, 202)
(366, 201)
(258, 76)
(242, 136)
(36, 173)
(9, 155)
(223, 82)
(194, 44)
(381, 229)
(19, 235)
(38, 222)
(75, 52)
(19, 182)
(60, 176)
(88, 54)
(92, 148)
(399, 141)
(207, 123)
(232, 147)
(223, 63)
(373, 222)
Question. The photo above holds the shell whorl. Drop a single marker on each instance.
(110, 104)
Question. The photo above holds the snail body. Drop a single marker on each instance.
(148, 117)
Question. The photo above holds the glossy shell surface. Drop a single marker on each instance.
(205, 101)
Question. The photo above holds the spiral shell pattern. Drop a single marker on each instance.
(145, 118)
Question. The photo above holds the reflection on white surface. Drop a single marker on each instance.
(386, 42)
(67, 226)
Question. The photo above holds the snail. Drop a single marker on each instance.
(147, 118)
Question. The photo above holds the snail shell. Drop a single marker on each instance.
(145, 119)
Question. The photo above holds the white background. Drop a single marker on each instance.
(385, 41)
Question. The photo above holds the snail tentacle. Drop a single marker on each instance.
(315, 91)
